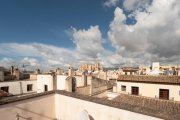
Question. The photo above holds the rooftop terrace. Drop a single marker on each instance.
(168, 110)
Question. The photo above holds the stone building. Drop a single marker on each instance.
(90, 67)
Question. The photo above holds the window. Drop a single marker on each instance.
(164, 94)
(45, 88)
(123, 88)
(5, 88)
(135, 90)
(29, 87)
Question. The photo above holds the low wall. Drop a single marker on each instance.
(84, 90)
(99, 85)
(62, 105)
(69, 108)
(35, 108)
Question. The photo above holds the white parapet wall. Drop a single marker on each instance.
(37, 108)
(61, 105)
(68, 108)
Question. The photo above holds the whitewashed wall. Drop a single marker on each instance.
(42, 80)
(61, 107)
(38, 108)
(61, 82)
(151, 90)
(68, 108)
(19, 87)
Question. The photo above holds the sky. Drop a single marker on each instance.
(116, 33)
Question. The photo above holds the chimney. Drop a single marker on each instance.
(84, 78)
(1, 75)
(12, 70)
(17, 73)
(70, 71)
(37, 71)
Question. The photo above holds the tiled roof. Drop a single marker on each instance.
(150, 79)
(161, 108)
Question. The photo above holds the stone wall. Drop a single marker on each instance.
(84, 90)
(99, 85)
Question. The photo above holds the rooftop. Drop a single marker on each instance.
(175, 80)
(168, 110)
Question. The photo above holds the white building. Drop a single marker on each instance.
(19, 87)
(162, 87)
(45, 82)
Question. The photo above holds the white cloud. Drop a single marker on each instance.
(88, 49)
(155, 36)
(88, 42)
(35, 55)
(110, 3)
(16, 50)
(136, 4)
(29, 62)
(7, 62)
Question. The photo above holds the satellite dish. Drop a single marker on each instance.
(83, 116)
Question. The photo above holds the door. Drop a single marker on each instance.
(45, 88)
(73, 84)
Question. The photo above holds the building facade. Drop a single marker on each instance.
(159, 87)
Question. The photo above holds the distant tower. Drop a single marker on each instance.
(12, 70)
(17, 73)
(1, 75)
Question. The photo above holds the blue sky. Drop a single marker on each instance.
(46, 21)
(114, 32)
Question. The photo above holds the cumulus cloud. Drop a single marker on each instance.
(136, 4)
(17, 50)
(88, 49)
(29, 62)
(7, 62)
(110, 3)
(35, 55)
(154, 37)
(88, 42)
